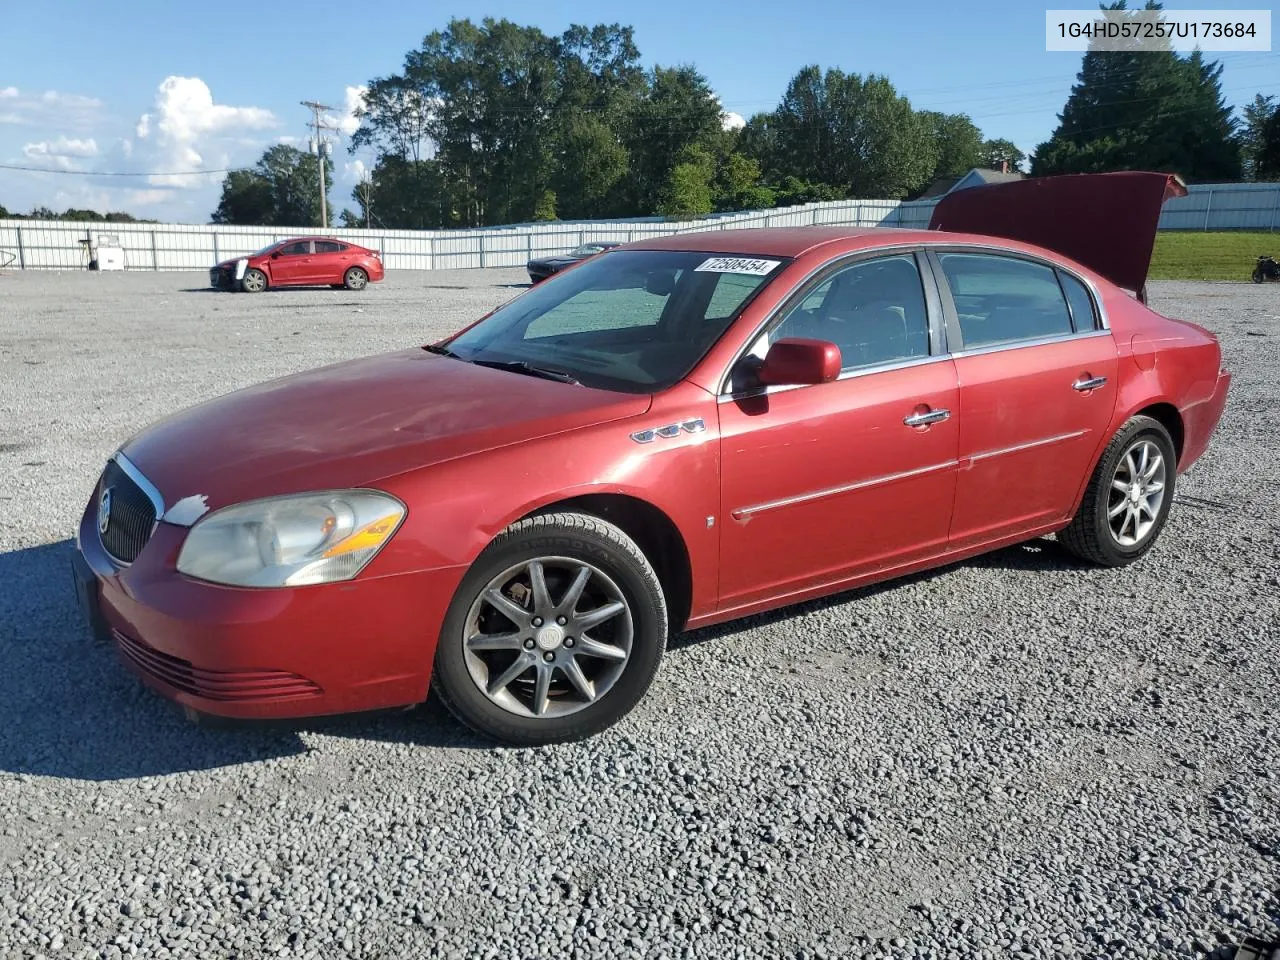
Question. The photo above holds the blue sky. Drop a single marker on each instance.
(146, 87)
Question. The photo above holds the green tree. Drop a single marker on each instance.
(688, 192)
(1132, 109)
(852, 132)
(995, 152)
(1267, 165)
(957, 142)
(545, 208)
(677, 117)
(1256, 115)
(282, 190)
(738, 185)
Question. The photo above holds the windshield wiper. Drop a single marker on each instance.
(442, 351)
(529, 369)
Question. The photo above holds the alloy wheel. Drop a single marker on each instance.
(548, 637)
(1137, 493)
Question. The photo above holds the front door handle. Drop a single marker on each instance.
(1092, 383)
(926, 418)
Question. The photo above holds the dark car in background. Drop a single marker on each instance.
(543, 267)
(300, 262)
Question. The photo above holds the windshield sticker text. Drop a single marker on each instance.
(751, 267)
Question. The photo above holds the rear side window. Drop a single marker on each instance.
(330, 246)
(1083, 313)
(1004, 300)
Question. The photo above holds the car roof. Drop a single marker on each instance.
(796, 241)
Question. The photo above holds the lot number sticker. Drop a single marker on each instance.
(751, 267)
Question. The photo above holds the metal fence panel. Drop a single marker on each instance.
(59, 245)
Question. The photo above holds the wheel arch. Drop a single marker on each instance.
(654, 532)
(1170, 418)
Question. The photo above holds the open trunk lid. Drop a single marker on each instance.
(1105, 221)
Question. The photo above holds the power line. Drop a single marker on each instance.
(95, 173)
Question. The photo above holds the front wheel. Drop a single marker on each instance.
(1258, 276)
(1129, 496)
(555, 633)
(254, 281)
(355, 279)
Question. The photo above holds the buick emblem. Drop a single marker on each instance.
(104, 510)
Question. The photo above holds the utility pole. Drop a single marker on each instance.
(318, 126)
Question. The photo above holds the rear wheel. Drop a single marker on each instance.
(1258, 276)
(555, 633)
(355, 279)
(1129, 496)
(255, 281)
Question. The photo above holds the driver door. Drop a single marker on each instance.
(292, 263)
(835, 481)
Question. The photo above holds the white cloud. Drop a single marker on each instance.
(186, 125)
(732, 121)
(50, 106)
(61, 147)
(355, 170)
(347, 122)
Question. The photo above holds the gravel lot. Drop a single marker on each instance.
(1013, 757)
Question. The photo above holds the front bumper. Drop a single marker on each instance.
(223, 278)
(366, 644)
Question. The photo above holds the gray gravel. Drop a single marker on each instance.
(1013, 757)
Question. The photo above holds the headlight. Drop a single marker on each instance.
(291, 541)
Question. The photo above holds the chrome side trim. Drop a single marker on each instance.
(743, 513)
(145, 485)
(1030, 445)
(1037, 342)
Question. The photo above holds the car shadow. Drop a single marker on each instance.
(1035, 556)
(69, 708)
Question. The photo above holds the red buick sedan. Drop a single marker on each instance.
(678, 432)
(300, 262)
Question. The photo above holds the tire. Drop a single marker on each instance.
(1140, 514)
(355, 279)
(478, 659)
(253, 281)
(1257, 275)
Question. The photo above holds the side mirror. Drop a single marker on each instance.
(795, 360)
(275, 254)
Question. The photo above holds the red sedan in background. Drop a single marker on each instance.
(300, 262)
(678, 432)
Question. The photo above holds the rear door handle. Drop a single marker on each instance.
(926, 418)
(1092, 383)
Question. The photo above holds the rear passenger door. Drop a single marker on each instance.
(331, 261)
(1036, 373)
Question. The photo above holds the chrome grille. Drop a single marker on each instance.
(126, 515)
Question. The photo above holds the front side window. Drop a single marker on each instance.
(1004, 300)
(635, 320)
(873, 310)
(296, 249)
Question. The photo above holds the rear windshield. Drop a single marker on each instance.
(630, 320)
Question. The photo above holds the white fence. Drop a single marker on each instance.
(62, 245)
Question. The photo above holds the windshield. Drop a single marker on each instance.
(632, 320)
(265, 250)
(590, 249)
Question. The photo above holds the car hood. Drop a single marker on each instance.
(355, 423)
(553, 261)
(1105, 221)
